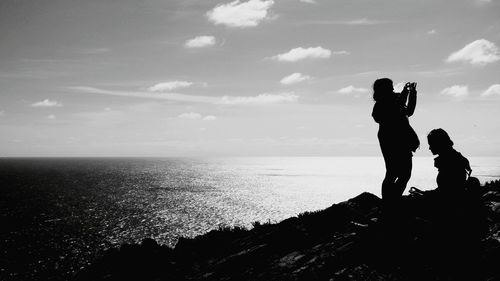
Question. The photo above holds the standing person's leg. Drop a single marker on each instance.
(397, 165)
(391, 197)
(388, 185)
(398, 173)
(391, 174)
(403, 174)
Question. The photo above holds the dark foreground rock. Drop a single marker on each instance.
(427, 239)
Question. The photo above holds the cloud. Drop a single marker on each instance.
(240, 14)
(294, 78)
(2, 113)
(190, 115)
(457, 91)
(222, 100)
(147, 95)
(51, 117)
(308, 1)
(200, 42)
(361, 21)
(443, 72)
(339, 53)
(351, 89)
(47, 103)
(169, 86)
(196, 116)
(260, 99)
(432, 32)
(479, 52)
(300, 53)
(209, 118)
(493, 90)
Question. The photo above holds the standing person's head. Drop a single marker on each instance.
(439, 141)
(383, 89)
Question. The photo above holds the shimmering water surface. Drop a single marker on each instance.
(58, 214)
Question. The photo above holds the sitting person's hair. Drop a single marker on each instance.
(439, 138)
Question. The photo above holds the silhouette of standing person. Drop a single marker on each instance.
(397, 138)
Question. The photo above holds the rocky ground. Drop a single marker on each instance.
(425, 239)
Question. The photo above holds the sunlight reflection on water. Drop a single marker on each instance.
(239, 191)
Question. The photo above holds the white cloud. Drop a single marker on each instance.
(46, 103)
(308, 1)
(260, 99)
(51, 117)
(241, 14)
(362, 21)
(209, 118)
(196, 116)
(200, 42)
(2, 113)
(294, 78)
(479, 52)
(147, 95)
(432, 32)
(223, 100)
(457, 91)
(493, 90)
(351, 89)
(300, 53)
(169, 86)
(339, 53)
(190, 115)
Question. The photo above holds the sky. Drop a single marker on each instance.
(241, 78)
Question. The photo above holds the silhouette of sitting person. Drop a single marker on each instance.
(453, 168)
(396, 137)
(455, 215)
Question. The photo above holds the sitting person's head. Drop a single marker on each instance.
(439, 141)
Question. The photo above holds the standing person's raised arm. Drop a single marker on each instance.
(412, 100)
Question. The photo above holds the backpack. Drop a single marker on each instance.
(412, 139)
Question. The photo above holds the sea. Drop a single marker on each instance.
(59, 214)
